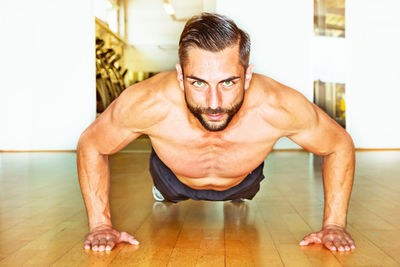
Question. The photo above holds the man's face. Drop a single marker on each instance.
(214, 85)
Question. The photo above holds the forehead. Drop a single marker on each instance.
(206, 64)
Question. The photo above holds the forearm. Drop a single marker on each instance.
(94, 180)
(338, 175)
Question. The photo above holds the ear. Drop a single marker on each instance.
(248, 76)
(179, 74)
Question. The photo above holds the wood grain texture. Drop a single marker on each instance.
(43, 220)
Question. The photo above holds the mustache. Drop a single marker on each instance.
(212, 111)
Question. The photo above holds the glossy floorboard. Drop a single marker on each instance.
(43, 220)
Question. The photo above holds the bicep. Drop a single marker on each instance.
(317, 132)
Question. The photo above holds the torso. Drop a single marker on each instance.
(214, 160)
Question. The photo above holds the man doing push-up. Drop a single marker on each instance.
(212, 122)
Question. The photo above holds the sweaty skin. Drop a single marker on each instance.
(218, 160)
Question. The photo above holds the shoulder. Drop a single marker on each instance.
(143, 104)
(282, 106)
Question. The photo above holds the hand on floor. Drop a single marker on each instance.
(332, 237)
(105, 238)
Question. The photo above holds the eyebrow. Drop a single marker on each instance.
(201, 80)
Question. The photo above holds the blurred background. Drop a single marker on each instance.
(64, 62)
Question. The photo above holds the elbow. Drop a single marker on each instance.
(346, 145)
(84, 143)
(81, 141)
(349, 142)
(87, 144)
(343, 145)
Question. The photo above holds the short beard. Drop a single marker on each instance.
(198, 112)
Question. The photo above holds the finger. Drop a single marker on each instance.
(350, 243)
(310, 239)
(125, 237)
(110, 245)
(89, 236)
(329, 245)
(133, 241)
(87, 244)
(346, 245)
(102, 243)
(338, 244)
(95, 244)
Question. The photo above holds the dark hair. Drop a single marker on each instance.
(213, 32)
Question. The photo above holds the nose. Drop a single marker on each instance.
(214, 98)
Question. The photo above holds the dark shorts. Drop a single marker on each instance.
(174, 190)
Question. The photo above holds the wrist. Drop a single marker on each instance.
(333, 225)
(100, 227)
(334, 221)
(95, 224)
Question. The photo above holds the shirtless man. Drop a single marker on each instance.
(212, 123)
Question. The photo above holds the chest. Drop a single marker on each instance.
(231, 153)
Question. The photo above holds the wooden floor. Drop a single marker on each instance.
(43, 220)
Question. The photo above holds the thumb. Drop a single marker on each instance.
(125, 237)
(310, 239)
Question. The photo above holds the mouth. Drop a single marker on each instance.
(215, 117)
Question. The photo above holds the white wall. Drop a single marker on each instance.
(329, 59)
(154, 36)
(47, 90)
(281, 33)
(373, 84)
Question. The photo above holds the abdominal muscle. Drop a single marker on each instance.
(205, 170)
(213, 166)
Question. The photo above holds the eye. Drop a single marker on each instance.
(198, 84)
(228, 83)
